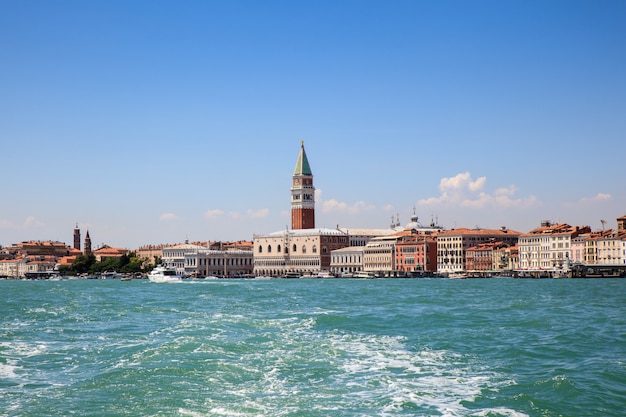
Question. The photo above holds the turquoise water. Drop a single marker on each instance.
(418, 347)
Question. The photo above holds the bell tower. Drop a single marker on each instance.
(76, 237)
(302, 194)
(87, 244)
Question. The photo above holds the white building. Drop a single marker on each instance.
(175, 256)
(379, 255)
(233, 263)
(360, 237)
(346, 261)
(12, 268)
(302, 251)
(548, 247)
(611, 250)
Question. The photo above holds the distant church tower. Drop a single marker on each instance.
(302, 194)
(76, 237)
(87, 244)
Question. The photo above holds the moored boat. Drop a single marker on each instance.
(164, 274)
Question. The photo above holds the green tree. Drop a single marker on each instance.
(133, 265)
(109, 264)
(83, 264)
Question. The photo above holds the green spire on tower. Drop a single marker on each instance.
(302, 165)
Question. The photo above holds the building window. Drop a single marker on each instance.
(314, 249)
(260, 249)
(269, 248)
(303, 249)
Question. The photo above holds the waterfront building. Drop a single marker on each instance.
(387, 252)
(301, 251)
(417, 252)
(231, 263)
(610, 247)
(611, 250)
(548, 247)
(506, 259)
(452, 244)
(379, 255)
(479, 258)
(204, 259)
(360, 236)
(175, 256)
(40, 267)
(40, 248)
(228, 245)
(150, 255)
(302, 194)
(65, 261)
(33, 267)
(11, 268)
(486, 258)
(346, 261)
(590, 245)
(106, 252)
(396, 250)
(578, 248)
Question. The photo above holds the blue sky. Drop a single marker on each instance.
(151, 122)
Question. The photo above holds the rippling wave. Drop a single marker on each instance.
(423, 347)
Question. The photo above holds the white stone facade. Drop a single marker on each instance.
(346, 261)
(304, 251)
(611, 250)
(549, 247)
(175, 256)
(220, 263)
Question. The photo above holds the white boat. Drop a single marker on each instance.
(164, 274)
(364, 274)
(109, 275)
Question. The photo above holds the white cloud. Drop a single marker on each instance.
(29, 223)
(333, 205)
(212, 214)
(251, 214)
(168, 217)
(600, 197)
(482, 200)
(5, 224)
(464, 191)
(461, 181)
(258, 214)
(506, 191)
